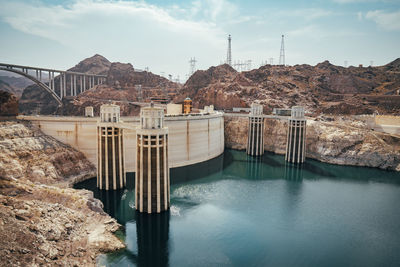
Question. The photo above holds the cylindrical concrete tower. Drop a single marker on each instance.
(110, 149)
(255, 136)
(152, 182)
(296, 136)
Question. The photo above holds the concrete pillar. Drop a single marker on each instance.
(65, 83)
(61, 87)
(74, 85)
(53, 86)
(152, 171)
(84, 83)
(296, 136)
(80, 84)
(50, 80)
(255, 139)
(111, 162)
(71, 89)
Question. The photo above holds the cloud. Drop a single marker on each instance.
(386, 20)
(354, 1)
(142, 33)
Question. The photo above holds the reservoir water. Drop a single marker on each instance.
(237, 210)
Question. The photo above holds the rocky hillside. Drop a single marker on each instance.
(42, 220)
(8, 104)
(14, 85)
(324, 88)
(343, 142)
(120, 88)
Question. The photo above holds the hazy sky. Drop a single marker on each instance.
(164, 35)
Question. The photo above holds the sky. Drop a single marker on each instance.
(164, 35)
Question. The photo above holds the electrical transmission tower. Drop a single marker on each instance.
(229, 55)
(192, 63)
(271, 61)
(282, 55)
(138, 88)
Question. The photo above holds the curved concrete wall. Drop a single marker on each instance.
(192, 139)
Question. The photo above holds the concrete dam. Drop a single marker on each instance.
(193, 138)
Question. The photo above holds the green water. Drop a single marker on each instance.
(237, 210)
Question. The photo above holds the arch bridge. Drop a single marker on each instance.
(58, 83)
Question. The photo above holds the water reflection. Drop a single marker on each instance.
(152, 231)
(294, 172)
(254, 167)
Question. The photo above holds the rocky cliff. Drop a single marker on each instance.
(343, 142)
(42, 220)
(324, 88)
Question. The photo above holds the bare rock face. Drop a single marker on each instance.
(42, 221)
(324, 88)
(347, 145)
(8, 104)
(47, 225)
(28, 153)
(123, 76)
(337, 142)
(101, 94)
(235, 132)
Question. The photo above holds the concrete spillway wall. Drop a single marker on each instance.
(192, 139)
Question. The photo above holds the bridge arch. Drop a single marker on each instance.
(36, 81)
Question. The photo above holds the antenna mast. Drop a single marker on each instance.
(229, 55)
(282, 55)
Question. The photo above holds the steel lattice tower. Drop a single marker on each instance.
(282, 55)
(192, 63)
(229, 55)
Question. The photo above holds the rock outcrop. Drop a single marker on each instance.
(8, 104)
(324, 88)
(42, 220)
(343, 142)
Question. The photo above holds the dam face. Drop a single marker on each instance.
(191, 139)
